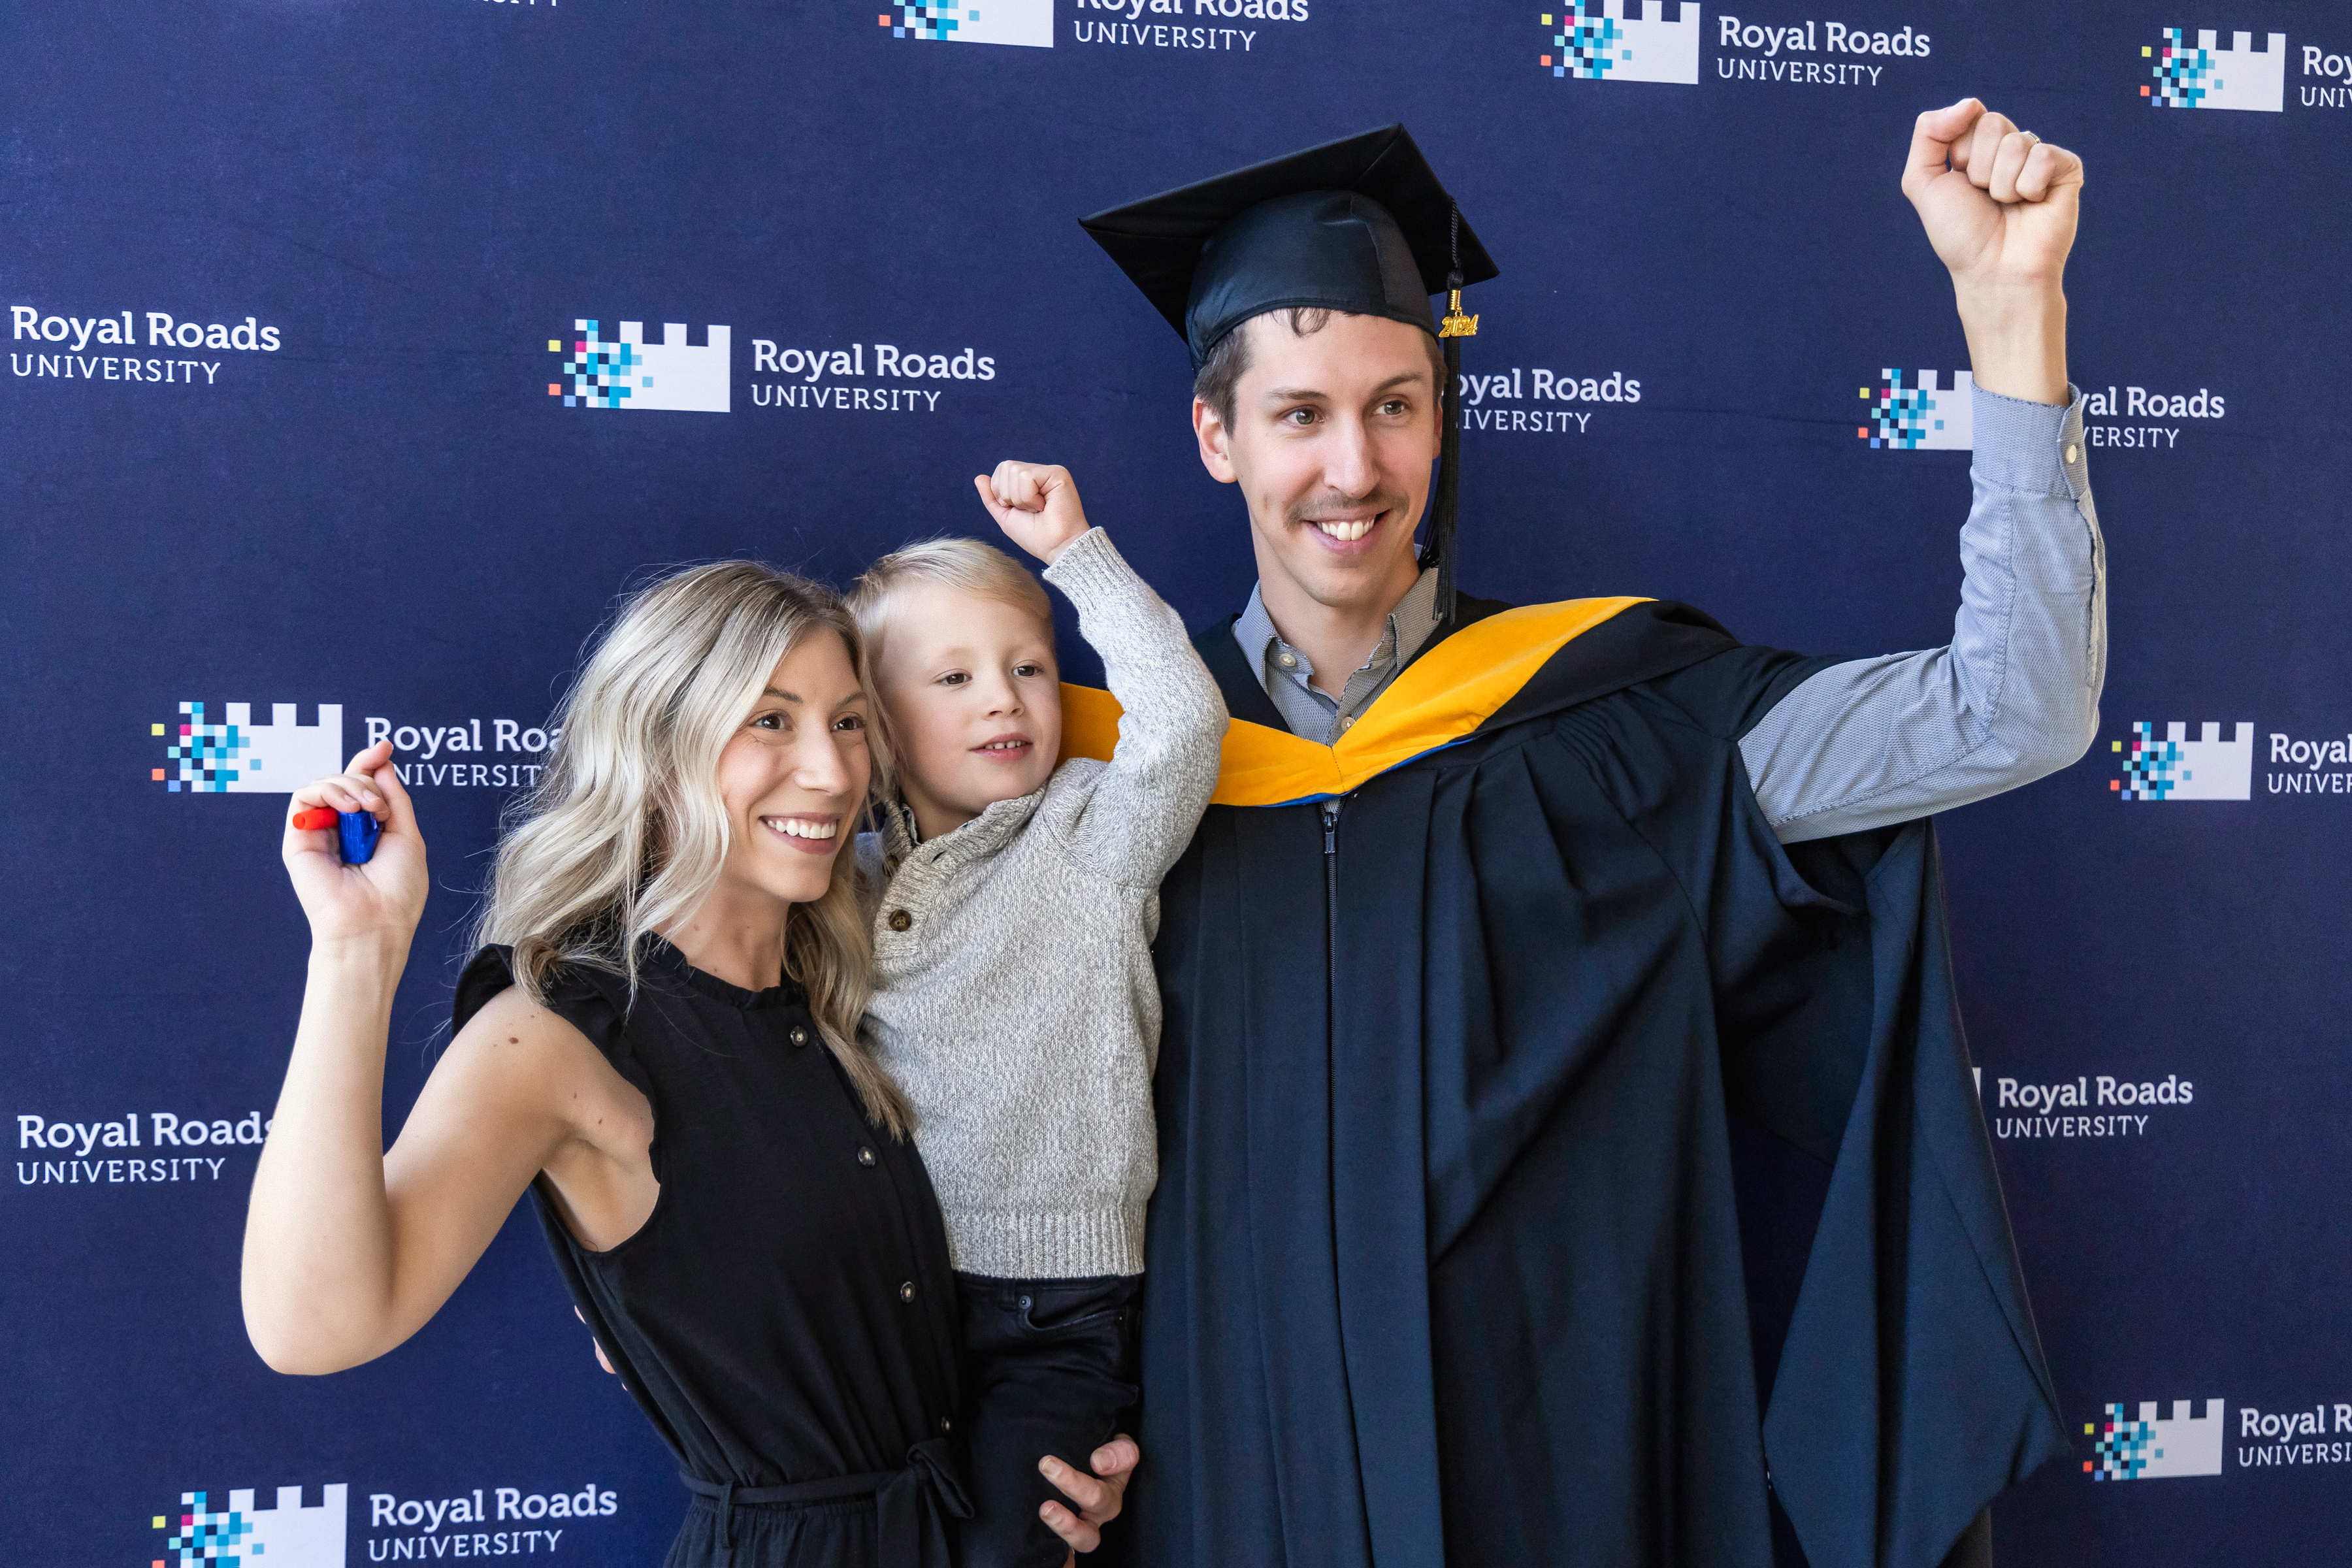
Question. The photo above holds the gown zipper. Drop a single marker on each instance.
(1331, 898)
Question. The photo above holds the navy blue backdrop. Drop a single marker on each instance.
(291, 292)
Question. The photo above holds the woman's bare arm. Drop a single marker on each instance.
(349, 1249)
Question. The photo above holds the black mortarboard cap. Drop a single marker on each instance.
(1360, 226)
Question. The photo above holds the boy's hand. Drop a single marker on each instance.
(1036, 504)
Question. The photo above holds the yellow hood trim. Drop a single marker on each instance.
(1442, 697)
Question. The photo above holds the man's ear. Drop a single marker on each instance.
(1209, 428)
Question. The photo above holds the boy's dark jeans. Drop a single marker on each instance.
(1052, 1364)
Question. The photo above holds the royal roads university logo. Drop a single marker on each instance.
(1922, 417)
(2206, 76)
(1599, 40)
(243, 1536)
(628, 372)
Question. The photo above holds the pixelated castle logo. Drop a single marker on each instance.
(1029, 23)
(1597, 40)
(1922, 418)
(2178, 768)
(2148, 1449)
(241, 757)
(2205, 76)
(243, 1536)
(627, 371)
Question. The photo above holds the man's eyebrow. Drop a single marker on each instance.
(1306, 393)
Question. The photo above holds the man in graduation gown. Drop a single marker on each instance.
(1505, 916)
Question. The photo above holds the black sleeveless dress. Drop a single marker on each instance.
(786, 1316)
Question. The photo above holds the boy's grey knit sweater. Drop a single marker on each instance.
(1016, 1004)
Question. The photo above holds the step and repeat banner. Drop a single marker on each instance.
(361, 352)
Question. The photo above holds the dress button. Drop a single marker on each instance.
(901, 921)
(1288, 661)
(1349, 722)
(799, 1036)
(907, 1291)
(946, 1425)
(866, 1157)
(2072, 453)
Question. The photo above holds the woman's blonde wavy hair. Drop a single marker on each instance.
(625, 832)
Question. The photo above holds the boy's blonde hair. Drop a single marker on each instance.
(964, 565)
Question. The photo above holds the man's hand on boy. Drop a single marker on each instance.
(1096, 1502)
(1036, 504)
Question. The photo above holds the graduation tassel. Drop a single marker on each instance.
(1450, 331)
(1449, 476)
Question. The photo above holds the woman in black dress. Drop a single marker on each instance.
(657, 1041)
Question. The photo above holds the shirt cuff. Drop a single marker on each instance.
(2035, 447)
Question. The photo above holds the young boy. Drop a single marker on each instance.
(1016, 1002)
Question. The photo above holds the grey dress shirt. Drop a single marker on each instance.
(1287, 673)
(2014, 695)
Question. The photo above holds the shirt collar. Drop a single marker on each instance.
(1414, 619)
(1410, 626)
(980, 836)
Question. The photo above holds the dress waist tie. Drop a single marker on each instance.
(908, 1504)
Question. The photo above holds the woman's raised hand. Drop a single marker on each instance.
(383, 898)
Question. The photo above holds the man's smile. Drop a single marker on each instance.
(1343, 527)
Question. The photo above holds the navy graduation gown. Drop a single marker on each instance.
(1445, 1259)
